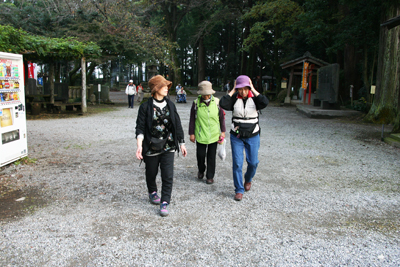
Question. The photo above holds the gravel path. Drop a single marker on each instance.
(326, 193)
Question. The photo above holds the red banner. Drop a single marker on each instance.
(305, 74)
(31, 70)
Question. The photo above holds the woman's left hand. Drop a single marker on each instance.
(183, 149)
(221, 137)
(255, 92)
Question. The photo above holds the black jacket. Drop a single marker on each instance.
(144, 123)
(227, 102)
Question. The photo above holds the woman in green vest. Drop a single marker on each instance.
(206, 128)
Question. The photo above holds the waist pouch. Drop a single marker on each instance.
(244, 130)
(157, 144)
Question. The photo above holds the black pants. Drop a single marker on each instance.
(211, 151)
(130, 100)
(166, 163)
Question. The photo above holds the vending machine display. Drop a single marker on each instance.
(13, 145)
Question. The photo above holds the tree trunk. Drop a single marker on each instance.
(73, 73)
(91, 70)
(228, 51)
(245, 54)
(173, 16)
(350, 72)
(368, 72)
(51, 80)
(83, 66)
(201, 61)
(140, 72)
(385, 108)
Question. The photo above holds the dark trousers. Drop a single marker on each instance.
(210, 151)
(166, 163)
(130, 100)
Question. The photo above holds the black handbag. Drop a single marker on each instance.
(157, 144)
(244, 130)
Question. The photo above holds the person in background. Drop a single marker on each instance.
(181, 95)
(177, 88)
(227, 87)
(206, 128)
(159, 135)
(139, 90)
(130, 91)
(244, 101)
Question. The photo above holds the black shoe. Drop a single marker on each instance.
(200, 175)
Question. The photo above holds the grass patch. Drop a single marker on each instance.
(25, 160)
(91, 110)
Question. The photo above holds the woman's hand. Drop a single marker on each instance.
(221, 138)
(139, 153)
(255, 92)
(139, 149)
(183, 149)
(192, 138)
(233, 90)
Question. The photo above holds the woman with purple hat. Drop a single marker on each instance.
(244, 102)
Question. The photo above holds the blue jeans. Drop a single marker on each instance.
(130, 100)
(250, 146)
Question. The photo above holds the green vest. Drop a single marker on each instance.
(207, 128)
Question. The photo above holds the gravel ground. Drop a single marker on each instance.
(326, 193)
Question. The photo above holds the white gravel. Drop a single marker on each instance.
(326, 193)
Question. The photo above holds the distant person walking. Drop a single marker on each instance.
(206, 128)
(227, 87)
(159, 134)
(181, 96)
(139, 90)
(178, 87)
(244, 101)
(131, 92)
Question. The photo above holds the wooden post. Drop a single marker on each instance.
(51, 80)
(83, 69)
(311, 67)
(290, 82)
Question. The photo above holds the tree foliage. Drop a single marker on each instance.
(38, 47)
(386, 105)
(116, 26)
(217, 38)
(272, 30)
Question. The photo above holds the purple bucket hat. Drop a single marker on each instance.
(242, 81)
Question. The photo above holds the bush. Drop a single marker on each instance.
(361, 105)
(281, 96)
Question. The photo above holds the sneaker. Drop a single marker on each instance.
(154, 198)
(164, 209)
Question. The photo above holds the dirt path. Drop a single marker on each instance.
(326, 193)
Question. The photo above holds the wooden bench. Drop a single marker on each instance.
(68, 106)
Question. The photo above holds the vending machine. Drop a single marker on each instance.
(13, 133)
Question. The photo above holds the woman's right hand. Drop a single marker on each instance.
(192, 138)
(139, 149)
(139, 153)
(233, 90)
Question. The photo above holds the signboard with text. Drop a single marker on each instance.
(305, 75)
